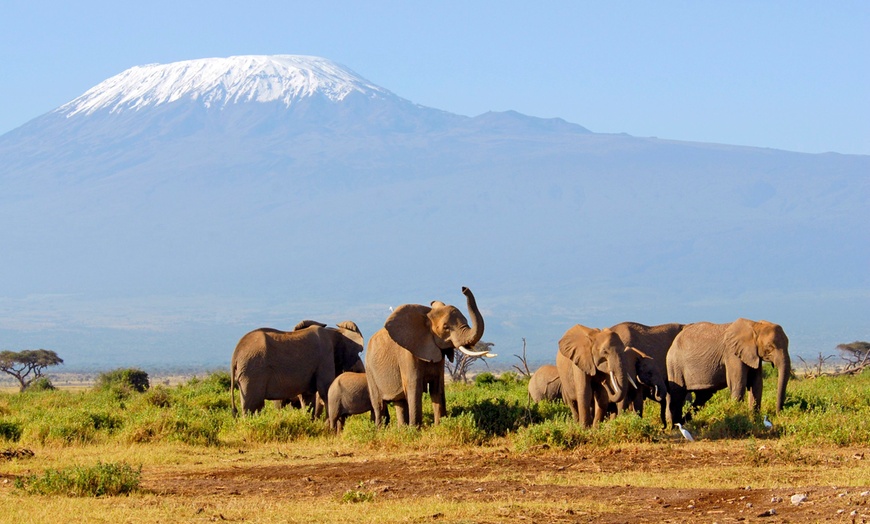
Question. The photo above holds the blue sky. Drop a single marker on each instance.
(786, 75)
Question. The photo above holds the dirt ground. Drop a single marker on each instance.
(505, 476)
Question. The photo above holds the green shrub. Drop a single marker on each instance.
(41, 384)
(627, 427)
(498, 417)
(724, 418)
(352, 496)
(181, 424)
(10, 431)
(559, 433)
(123, 380)
(78, 481)
(484, 379)
(271, 425)
(459, 430)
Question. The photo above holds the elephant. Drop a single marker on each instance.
(651, 383)
(653, 341)
(590, 363)
(706, 357)
(406, 357)
(545, 384)
(349, 395)
(269, 364)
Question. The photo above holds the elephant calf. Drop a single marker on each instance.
(349, 395)
(545, 384)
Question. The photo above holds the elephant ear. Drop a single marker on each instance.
(740, 339)
(576, 344)
(308, 323)
(351, 331)
(349, 325)
(409, 327)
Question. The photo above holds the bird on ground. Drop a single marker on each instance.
(686, 435)
(767, 423)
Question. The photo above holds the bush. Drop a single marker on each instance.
(123, 381)
(560, 433)
(41, 384)
(484, 379)
(280, 425)
(101, 480)
(10, 431)
(723, 418)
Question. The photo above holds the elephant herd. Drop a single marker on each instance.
(315, 363)
(597, 371)
(604, 371)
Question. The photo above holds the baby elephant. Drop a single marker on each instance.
(348, 395)
(545, 384)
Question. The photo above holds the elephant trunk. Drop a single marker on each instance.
(472, 335)
(783, 365)
(618, 377)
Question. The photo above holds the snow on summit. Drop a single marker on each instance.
(217, 82)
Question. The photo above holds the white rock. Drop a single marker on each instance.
(798, 498)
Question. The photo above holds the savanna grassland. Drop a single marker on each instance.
(176, 454)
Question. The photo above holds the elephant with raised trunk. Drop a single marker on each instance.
(268, 364)
(545, 384)
(590, 364)
(654, 342)
(405, 358)
(705, 358)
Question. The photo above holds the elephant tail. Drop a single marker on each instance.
(233, 388)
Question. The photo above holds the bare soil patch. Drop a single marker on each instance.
(513, 478)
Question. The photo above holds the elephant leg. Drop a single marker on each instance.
(414, 397)
(252, 395)
(756, 380)
(676, 398)
(701, 397)
(401, 407)
(600, 407)
(439, 407)
(585, 403)
(737, 381)
(378, 405)
(572, 405)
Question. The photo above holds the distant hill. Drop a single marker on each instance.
(172, 208)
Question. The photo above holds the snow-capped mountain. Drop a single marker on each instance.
(217, 82)
(172, 208)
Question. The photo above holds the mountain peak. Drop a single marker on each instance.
(218, 82)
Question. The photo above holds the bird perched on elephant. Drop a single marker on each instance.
(649, 382)
(349, 395)
(406, 357)
(590, 363)
(706, 357)
(269, 364)
(654, 342)
(544, 384)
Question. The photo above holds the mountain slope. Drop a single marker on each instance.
(164, 214)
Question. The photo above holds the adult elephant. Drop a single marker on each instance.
(545, 384)
(649, 382)
(654, 342)
(590, 364)
(705, 358)
(406, 357)
(268, 364)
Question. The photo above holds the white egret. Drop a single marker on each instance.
(767, 423)
(686, 435)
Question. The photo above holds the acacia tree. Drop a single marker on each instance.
(27, 365)
(856, 354)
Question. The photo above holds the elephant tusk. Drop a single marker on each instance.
(616, 388)
(655, 392)
(633, 383)
(470, 353)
